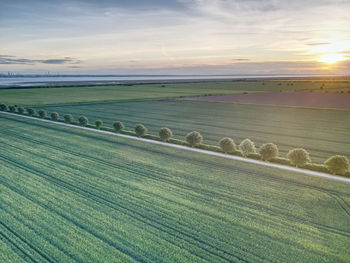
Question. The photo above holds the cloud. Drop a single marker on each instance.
(8, 59)
(256, 5)
(318, 43)
(158, 34)
(241, 59)
(221, 7)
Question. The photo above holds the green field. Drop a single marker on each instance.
(42, 96)
(69, 195)
(322, 132)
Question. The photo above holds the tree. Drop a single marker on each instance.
(337, 164)
(247, 147)
(42, 114)
(140, 130)
(98, 124)
(12, 108)
(194, 138)
(68, 118)
(268, 151)
(298, 157)
(31, 111)
(227, 145)
(21, 110)
(118, 126)
(83, 121)
(165, 134)
(3, 107)
(55, 116)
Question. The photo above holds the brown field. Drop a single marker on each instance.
(298, 99)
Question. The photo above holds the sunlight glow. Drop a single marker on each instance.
(330, 45)
(330, 50)
(331, 58)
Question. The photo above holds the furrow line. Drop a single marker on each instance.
(147, 220)
(51, 241)
(228, 200)
(47, 258)
(282, 240)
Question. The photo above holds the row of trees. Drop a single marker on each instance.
(68, 118)
(299, 157)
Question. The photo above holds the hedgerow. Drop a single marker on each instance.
(118, 126)
(280, 160)
(83, 121)
(98, 124)
(21, 110)
(227, 145)
(55, 116)
(338, 164)
(140, 130)
(68, 118)
(31, 111)
(12, 108)
(194, 138)
(42, 114)
(255, 156)
(247, 147)
(165, 134)
(3, 107)
(298, 157)
(268, 151)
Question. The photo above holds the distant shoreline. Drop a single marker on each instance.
(64, 80)
(16, 75)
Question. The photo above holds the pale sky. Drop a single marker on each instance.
(175, 37)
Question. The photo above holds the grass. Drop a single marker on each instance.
(50, 95)
(288, 127)
(79, 196)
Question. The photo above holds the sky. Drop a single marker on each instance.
(175, 37)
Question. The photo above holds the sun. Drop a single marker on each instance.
(331, 58)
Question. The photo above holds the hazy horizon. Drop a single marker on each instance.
(184, 37)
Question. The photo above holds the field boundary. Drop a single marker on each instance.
(238, 158)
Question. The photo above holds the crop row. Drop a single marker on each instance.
(140, 209)
(166, 205)
(160, 177)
